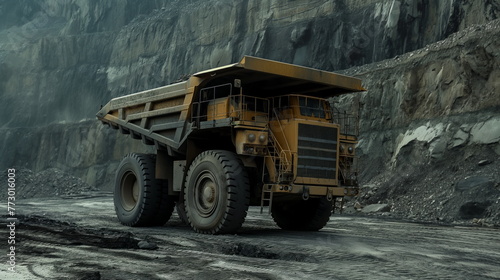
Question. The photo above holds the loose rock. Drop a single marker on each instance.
(145, 245)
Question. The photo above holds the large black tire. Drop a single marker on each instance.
(216, 193)
(306, 215)
(140, 199)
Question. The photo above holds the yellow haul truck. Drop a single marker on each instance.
(257, 132)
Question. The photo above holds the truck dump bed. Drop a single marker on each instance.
(162, 116)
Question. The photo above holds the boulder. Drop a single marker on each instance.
(459, 139)
(484, 162)
(145, 245)
(475, 184)
(473, 209)
(487, 132)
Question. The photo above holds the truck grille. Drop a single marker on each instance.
(317, 152)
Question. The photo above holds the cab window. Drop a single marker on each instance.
(311, 107)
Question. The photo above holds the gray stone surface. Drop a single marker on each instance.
(487, 132)
(459, 139)
(497, 149)
(475, 184)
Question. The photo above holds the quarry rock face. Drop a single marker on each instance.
(431, 69)
(66, 58)
(432, 96)
(88, 150)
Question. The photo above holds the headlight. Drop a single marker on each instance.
(342, 148)
(251, 137)
(350, 150)
(262, 138)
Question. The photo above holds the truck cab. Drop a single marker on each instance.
(297, 138)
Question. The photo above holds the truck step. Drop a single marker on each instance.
(266, 198)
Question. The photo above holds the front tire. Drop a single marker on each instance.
(140, 199)
(216, 193)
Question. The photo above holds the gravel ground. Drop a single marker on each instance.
(48, 183)
(462, 188)
(80, 238)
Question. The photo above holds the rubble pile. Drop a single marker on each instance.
(48, 183)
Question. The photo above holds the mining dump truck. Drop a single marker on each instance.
(253, 133)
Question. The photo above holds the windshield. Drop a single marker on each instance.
(312, 107)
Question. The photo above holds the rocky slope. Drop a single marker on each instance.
(430, 122)
(446, 95)
(433, 103)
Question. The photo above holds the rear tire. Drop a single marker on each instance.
(140, 199)
(305, 215)
(216, 193)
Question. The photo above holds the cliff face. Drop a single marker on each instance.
(54, 56)
(61, 60)
(429, 103)
(88, 150)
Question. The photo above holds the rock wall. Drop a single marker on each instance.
(88, 150)
(430, 122)
(445, 96)
(61, 60)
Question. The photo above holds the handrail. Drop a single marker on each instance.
(349, 123)
(238, 107)
(281, 128)
(285, 165)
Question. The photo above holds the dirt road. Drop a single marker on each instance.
(80, 238)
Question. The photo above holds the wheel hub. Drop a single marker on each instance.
(209, 192)
(206, 194)
(129, 191)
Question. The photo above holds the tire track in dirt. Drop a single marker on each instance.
(349, 247)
